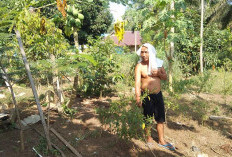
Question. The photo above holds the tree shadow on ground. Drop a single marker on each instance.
(154, 135)
(86, 139)
(194, 109)
(198, 110)
(83, 134)
(179, 126)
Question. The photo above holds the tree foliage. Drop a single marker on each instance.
(97, 20)
(40, 36)
(154, 20)
(102, 71)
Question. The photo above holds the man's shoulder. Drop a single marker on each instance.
(138, 65)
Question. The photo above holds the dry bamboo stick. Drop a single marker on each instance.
(57, 148)
(65, 142)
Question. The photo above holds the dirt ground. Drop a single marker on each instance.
(86, 134)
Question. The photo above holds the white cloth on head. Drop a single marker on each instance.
(154, 62)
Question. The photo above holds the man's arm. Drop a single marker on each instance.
(138, 84)
(162, 73)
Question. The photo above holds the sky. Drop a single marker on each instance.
(229, 2)
(117, 10)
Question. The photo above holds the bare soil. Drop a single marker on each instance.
(85, 133)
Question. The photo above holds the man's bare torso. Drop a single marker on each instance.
(152, 84)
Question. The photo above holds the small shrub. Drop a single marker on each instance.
(69, 111)
(199, 110)
(42, 148)
(124, 118)
(203, 82)
(98, 75)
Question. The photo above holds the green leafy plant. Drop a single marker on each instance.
(42, 148)
(69, 111)
(200, 110)
(203, 82)
(124, 118)
(100, 74)
(216, 110)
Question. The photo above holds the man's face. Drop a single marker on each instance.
(144, 54)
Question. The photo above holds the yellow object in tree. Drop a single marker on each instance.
(119, 30)
(43, 30)
(143, 126)
(61, 6)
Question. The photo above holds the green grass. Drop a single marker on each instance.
(127, 64)
(218, 79)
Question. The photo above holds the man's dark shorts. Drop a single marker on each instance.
(153, 105)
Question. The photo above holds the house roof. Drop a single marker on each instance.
(129, 39)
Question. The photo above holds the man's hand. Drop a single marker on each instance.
(155, 72)
(139, 102)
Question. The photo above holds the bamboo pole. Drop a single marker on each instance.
(33, 88)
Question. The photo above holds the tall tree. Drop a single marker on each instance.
(96, 22)
(172, 48)
(201, 36)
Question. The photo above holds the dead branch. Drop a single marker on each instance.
(219, 117)
(216, 152)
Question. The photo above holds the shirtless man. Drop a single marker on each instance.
(153, 105)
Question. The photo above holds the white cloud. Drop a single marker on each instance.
(117, 10)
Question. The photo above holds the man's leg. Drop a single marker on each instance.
(148, 133)
(160, 130)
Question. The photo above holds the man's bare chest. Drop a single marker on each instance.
(144, 73)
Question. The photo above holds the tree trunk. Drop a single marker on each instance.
(8, 84)
(33, 88)
(201, 36)
(171, 53)
(76, 78)
(170, 73)
(75, 35)
(59, 90)
(55, 84)
(75, 83)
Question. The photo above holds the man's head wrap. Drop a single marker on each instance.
(154, 62)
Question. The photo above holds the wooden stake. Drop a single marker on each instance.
(33, 88)
(65, 142)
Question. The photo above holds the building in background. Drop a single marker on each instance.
(132, 39)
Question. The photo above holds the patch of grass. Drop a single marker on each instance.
(69, 111)
(217, 80)
(95, 133)
(42, 148)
